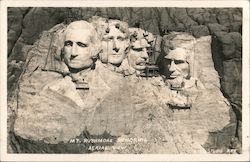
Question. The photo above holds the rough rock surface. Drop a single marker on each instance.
(210, 99)
(225, 25)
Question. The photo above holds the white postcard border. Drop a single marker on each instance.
(125, 157)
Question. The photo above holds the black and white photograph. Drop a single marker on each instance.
(111, 79)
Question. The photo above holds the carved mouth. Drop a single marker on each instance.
(74, 61)
(141, 63)
(173, 76)
(116, 54)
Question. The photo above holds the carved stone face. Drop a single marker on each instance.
(78, 48)
(177, 64)
(114, 45)
(138, 56)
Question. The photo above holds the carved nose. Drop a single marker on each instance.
(73, 52)
(72, 56)
(144, 54)
(172, 67)
(116, 49)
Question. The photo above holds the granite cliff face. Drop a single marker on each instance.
(26, 25)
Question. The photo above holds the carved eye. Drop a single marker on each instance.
(68, 43)
(179, 61)
(108, 38)
(120, 38)
(168, 61)
(81, 44)
(138, 49)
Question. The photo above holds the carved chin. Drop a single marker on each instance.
(115, 59)
(75, 65)
(176, 82)
(78, 64)
(177, 77)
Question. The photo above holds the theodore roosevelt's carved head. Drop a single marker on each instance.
(138, 54)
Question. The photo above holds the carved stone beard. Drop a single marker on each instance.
(177, 83)
(179, 98)
(183, 92)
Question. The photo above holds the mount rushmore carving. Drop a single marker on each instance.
(102, 79)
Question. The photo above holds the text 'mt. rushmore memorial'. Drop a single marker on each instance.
(124, 80)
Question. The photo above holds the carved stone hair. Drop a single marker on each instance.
(94, 39)
(121, 25)
(100, 24)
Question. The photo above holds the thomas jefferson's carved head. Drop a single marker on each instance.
(115, 42)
